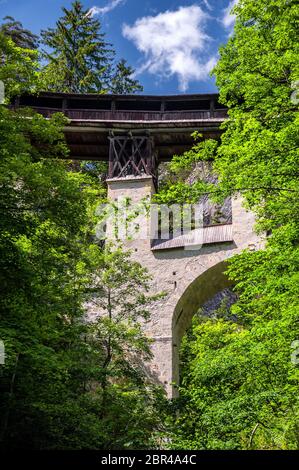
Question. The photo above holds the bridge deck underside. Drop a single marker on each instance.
(89, 141)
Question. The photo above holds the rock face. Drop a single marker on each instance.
(212, 213)
(189, 276)
(226, 298)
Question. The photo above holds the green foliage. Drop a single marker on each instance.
(70, 383)
(240, 389)
(177, 187)
(255, 75)
(118, 292)
(239, 386)
(67, 382)
(44, 213)
(18, 69)
(77, 49)
(20, 36)
(122, 82)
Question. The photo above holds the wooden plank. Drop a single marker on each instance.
(206, 235)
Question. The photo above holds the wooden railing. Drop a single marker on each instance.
(102, 115)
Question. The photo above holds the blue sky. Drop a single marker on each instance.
(172, 44)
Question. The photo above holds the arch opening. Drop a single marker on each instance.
(198, 293)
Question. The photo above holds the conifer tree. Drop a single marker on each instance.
(21, 37)
(122, 81)
(80, 59)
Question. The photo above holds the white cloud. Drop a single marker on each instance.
(106, 9)
(228, 18)
(173, 43)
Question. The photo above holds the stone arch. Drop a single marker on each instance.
(202, 289)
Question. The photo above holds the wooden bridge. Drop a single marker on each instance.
(168, 121)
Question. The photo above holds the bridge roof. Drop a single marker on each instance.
(169, 119)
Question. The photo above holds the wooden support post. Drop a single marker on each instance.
(64, 105)
(212, 108)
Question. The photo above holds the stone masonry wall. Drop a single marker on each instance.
(189, 278)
